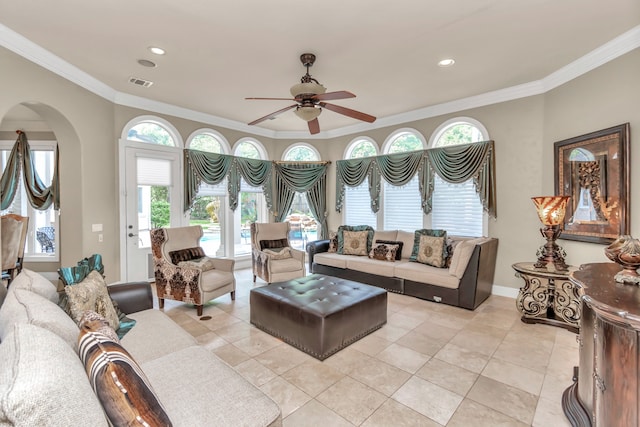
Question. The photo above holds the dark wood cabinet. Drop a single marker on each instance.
(605, 389)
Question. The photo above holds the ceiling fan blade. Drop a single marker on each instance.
(348, 112)
(272, 99)
(314, 126)
(275, 113)
(330, 96)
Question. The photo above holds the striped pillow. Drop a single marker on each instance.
(186, 254)
(122, 388)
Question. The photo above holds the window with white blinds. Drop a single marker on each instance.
(456, 208)
(357, 205)
(402, 210)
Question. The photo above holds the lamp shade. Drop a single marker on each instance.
(551, 209)
(308, 113)
(307, 89)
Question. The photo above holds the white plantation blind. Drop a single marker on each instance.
(357, 205)
(154, 171)
(456, 208)
(402, 208)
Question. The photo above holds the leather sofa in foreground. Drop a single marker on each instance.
(466, 283)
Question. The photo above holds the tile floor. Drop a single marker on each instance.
(430, 365)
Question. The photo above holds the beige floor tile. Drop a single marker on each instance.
(231, 354)
(380, 376)
(550, 413)
(402, 357)
(285, 394)
(313, 377)
(436, 331)
(220, 320)
(421, 343)
(256, 373)
(555, 384)
(563, 359)
(236, 331)
(352, 400)
(392, 413)
(195, 328)
(390, 332)
(528, 352)
(211, 340)
(497, 318)
(403, 321)
(471, 413)
(453, 378)
(282, 358)
(566, 338)
(348, 359)
(477, 342)
(371, 344)
(509, 400)
(258, 343)
(459, 356)
(516, 376)
(315, 414)
(428, 399)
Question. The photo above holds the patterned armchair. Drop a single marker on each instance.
(272, 257)
(182, 270)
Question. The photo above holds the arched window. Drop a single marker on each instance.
(208, 140)
(357, 200)
(304, 227)
(402, 205)
(457, 207)
(251, 205)
(152, 130)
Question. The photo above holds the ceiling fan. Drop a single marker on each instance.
(309, 96)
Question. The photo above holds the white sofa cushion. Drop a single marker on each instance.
(407, 238)
(372, 266)
(43, 382)
(216, 395)
(34, 282)
(332, 259)
(426, 274)
(462, 255)
(215, 279)
(385, 235)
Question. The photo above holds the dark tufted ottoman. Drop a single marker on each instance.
(319, 314)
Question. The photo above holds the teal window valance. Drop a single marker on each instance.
(39, 195)
(454, 164)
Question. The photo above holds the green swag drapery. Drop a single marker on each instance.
(454, 164)
(308, 178)
(40, 196)
(290, 178)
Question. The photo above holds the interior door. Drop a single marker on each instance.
(152, 199)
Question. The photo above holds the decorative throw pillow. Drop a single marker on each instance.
(72, 275)
(273, 244)
(451, 247)
(431, 251)
(91, 320)
(281, 253)
(123, 389)
(344, 228)
(427, 232)
(186, 254)
(91, 294)
(333, 242)
(126, 323)
(355, 243)
(394, 242)
(204, 263)
(384, 251)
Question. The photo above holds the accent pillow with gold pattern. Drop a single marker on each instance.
(431, 250)
(384, 251)
(91, 295)
(344, 228)
(355, 243)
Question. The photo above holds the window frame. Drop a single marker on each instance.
(173, 132)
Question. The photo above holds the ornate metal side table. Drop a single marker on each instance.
(548, 296)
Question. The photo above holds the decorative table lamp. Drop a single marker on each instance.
(551, 210)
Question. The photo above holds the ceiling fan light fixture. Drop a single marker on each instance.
(310, 89)
(308, 113)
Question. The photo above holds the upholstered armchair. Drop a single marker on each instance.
(14, 239)
(182, 270)
(272, 257)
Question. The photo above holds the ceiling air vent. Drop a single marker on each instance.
(140, 82)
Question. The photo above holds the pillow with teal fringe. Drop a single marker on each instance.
(344, 228)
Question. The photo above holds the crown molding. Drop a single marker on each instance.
(619, 46)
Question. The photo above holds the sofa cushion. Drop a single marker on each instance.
(400, 244)
(91, 294)
(421, 245)
(22, 306)
(122, 388)
(215, 279)
(216, 394)
(332, 260)
(407, 238)
(285, 265)
(462, 255)
(423, 273)
(372, 266)
(273, 244)
(342, 228)
(384, 251)
(34, 282)
(186, 254)
(431, 251)
(155, 335)
(355, 243)
(42, 381)
(385, 235)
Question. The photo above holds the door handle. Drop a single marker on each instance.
(131, 234)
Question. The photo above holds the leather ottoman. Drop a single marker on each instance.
(318, 314)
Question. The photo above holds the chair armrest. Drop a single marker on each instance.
(224, 264)
(316, 247)
(132, 297)
(297, 254)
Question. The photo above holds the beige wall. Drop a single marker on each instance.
(88, 128)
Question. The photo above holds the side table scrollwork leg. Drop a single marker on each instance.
(567, 302)
(533, 298)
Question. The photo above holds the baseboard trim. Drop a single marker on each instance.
(504, 291)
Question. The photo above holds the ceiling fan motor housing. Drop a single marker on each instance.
(307, 90)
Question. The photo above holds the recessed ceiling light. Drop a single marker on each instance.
(146, 63)
(156, 50)
(447, 62)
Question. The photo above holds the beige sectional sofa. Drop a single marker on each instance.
(466, 283)
(43, 381)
